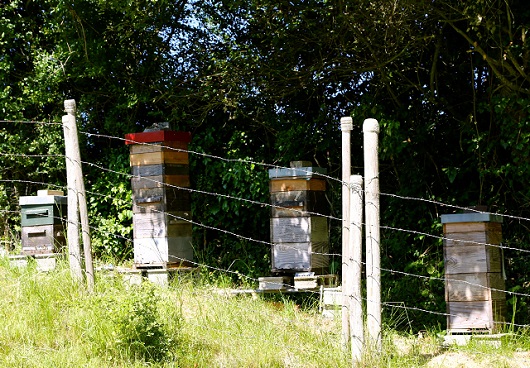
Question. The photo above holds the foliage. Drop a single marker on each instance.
(135, 324)
(267, 82)
(110, 213)
(236, 188)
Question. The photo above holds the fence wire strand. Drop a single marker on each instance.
(254, 202)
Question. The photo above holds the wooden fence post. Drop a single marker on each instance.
(74, 251)
(356, 257)
(77, 206)
(373, 256)
(346, 127)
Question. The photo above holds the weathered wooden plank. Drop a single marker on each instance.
(159, 181)
(168, 198)
(158, 147)
(300, 256)
(472, 259)
(299, 229)
(154, 225)
(470, 227)
(157, 158)
(291, 256)
(158, 205)
(284, 185)
(299, 203)
(468, 316)
(472, 238)
(159, 250)
(166, 169)
(157, 136)
(300, 172)
(42, 239)
(470, 287)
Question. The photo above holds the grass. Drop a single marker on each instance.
(50, 321)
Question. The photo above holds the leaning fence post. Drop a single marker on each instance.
(346, 127)
(373, 256)
(77, 207)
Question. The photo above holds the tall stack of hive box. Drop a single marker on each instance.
(474, 286)
(299, 228)
(42, 218)
(161, 207)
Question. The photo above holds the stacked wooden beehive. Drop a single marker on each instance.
(474, 286)
(299, 228)
(161, 207)
(42, 220)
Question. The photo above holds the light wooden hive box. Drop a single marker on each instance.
(42, 222)
(474, 281)
(299, 232)
(161, 206)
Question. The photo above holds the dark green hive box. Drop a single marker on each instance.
(43, 210)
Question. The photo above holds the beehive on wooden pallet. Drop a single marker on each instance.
(42, 220)
(474, 286)
(161, 204)
(299, 231)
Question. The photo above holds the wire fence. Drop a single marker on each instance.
(404, 305)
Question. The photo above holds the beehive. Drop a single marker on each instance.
(42, 220)
(474, 282)
(299, 228)
(161, 204)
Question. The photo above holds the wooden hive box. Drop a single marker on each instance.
(43, 210)
(295, 203)
(159, 251)
(42, 219)
(474, 282)
(162, 200)
(299, 235)
(42, 239)
(300, 257)
(162, 224)
(161, 208)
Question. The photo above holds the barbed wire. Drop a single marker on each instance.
(462, 208)
(316, 175)
(387, 304)
(295, 210)
(31, 122)
(207, 155)
(29, 155)
(215, 194)
(268, 243)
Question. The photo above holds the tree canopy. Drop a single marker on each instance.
(268, 82)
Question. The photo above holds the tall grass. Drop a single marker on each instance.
(50, 321)
(47, 320)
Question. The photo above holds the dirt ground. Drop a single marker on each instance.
(477, 360)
